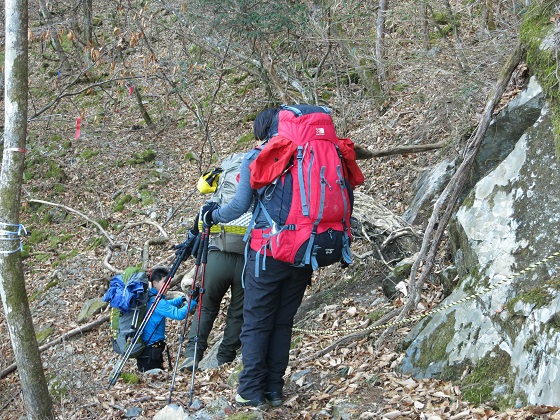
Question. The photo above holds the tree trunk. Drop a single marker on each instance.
(36, 396)
(87, 31)
(380, 44)
(458, 43)
(62, 57)
(425, 25)
(88, 13)
(488, 20)
(141, 107)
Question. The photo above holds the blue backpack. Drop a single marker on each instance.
(128, 296)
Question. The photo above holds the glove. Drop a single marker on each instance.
(186, 248)
(206, 212)
(192, 306)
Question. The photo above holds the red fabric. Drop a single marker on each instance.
(271, 161)
(354, 173)
(305, 128)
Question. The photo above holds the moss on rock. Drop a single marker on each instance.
(434, 349)
(537, 35)
(491, 381)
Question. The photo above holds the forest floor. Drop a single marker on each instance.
(356, 378)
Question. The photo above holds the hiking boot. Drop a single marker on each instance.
(188, 364)
(274, 399)
(257, 403)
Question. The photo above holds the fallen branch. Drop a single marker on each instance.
(63, 337)
(71, 210)
(363, 153)
(391, 237)
(107, 260)
(352, 336)
(153, 241)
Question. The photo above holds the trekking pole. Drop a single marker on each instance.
(204, 259)
(121, 362)
(197, 250)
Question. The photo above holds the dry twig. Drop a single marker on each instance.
(65, 336)
(79, 213)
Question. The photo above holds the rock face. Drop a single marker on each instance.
(501, 137)
(504, 344)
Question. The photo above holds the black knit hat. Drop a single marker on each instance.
(158, 273)
(262, 123)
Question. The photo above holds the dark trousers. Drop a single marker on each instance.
(223, 272)
(151, 357)
(270, 304)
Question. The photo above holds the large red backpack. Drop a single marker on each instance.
(305, 176)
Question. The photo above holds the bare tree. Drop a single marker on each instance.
(425, 24)
(488, 20)
(458, 43)
(447, 201)
(88, 13)
(380, 44)
(36, 396)
(62, 57)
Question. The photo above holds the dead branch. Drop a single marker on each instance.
(352, 336)
(447, 201)
(145, 250)
(406, 231)
(79, 213)
(153, 241)
(391, 237)
(363, 153)
(107, 260)
(63, 337)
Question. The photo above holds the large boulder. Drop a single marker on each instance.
(500, 336)
(500, 139)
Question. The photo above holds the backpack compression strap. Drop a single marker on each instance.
(346, 254)
(304, 205)
(309, 258)
(269, 236)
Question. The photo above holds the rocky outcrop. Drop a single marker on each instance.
(503, 344)
(500, 139)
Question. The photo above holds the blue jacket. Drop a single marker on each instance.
(155, 328)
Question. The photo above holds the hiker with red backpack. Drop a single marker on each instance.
(300, 183)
